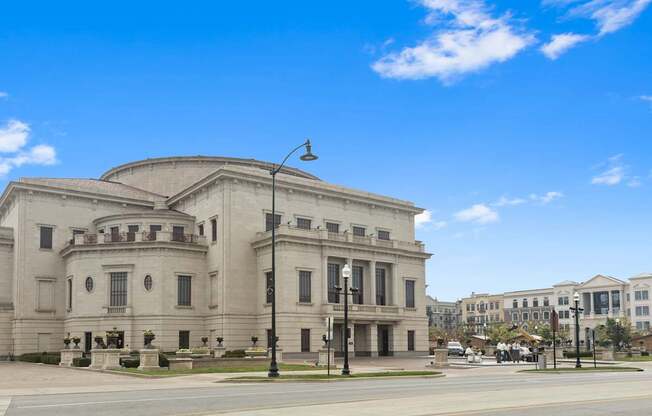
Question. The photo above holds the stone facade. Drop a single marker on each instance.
(442, 314)
(480, 310)
(180, 246)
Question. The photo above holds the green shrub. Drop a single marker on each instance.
(81, 362)
(235, 354)
(41, 357)
(645, 353)
(130, 363)
(573, 354)
(163, 361)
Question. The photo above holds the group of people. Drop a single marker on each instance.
(508, 351)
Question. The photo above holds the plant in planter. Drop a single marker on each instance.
(66, 341)
(219, 341)
(254, 340)
(76, 341)
(112, 338)
(99, 342)
(205, 341)
(149, 336)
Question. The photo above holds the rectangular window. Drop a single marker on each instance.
(409, 293)
(381, 286)
(359, 231)
(131, 232)
(535, 316)
(358, 283)
(213, 230)
(69, 294)
(153, 229)
(600, 303)
(641, 295)
(115, 234)
(305, 340)
(304, 223)
(333, 282)
(305, 286)
(410, 340)
(268, 221)
(535, 302)
(525, 303)
(200, 229)
(526, 316)
(184, 339)
(118, 293)
(46, 238)
(546, 302)
(615, 300)
(514, 304)
(642, 311)
(383, 235)
(184, 293)
(268, 287)
(546, 316)
(333, 227)
(178, 233)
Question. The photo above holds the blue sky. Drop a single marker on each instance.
(523, 127)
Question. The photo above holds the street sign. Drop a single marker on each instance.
(329, 328)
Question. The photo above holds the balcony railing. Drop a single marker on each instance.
(346, 237)
(136, 237)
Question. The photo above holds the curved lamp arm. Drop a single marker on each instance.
(276, 170)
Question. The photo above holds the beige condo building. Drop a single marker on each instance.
(181, 246)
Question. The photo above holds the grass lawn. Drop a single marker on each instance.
(314, 377)
(606, 369)
(164, 372)
(638, 358)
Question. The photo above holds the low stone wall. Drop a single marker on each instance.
(228, 362)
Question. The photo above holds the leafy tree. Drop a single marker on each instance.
(500, 333)
(614, 333)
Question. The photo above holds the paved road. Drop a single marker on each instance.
(474, 393)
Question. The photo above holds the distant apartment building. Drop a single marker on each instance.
(442, 314)
(601, 297)
(480, 310)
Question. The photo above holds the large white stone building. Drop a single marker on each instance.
(181, 246)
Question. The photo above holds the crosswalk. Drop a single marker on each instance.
(4, 405)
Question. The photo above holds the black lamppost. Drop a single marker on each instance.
(307, 157)
(577, 310)
(346, 274)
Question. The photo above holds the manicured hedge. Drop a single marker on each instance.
(41, 357)
(131, 363)
(235, 354)
(81, 362)
(163, 361)
(573, 354)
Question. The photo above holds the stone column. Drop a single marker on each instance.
(372, 283)
(148, 359)
(324, 280)
(395, 290)
(373, 339)
(68, 355)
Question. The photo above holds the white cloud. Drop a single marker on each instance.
(614, 172)
(546, 198)
(611, 15)
(422, 219)
(471, 41)
(438, 225)
(4, 95)
(561, 43)
(504, 201)
(478, 213)
(634, 182)
(13, 136)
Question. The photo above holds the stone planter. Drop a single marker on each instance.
(148, 359)
(180, 363)
(323, 359)
(620, 355)
(441, 358)
(219, 352)
(148, 341)
(68, 355)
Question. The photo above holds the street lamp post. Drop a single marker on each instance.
(346, 274)
(307, 157)
(577, 310)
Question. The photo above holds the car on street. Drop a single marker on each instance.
(455, 348)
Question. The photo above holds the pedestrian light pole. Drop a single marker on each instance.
(346, 274)
(576, 310)
(306, 157)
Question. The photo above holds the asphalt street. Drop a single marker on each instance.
(472, 393)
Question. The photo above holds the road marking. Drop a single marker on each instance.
(4, 405)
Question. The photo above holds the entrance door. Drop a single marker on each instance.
(120, 344)
(88, 342)
(383, 341)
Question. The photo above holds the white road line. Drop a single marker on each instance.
(4, 405)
